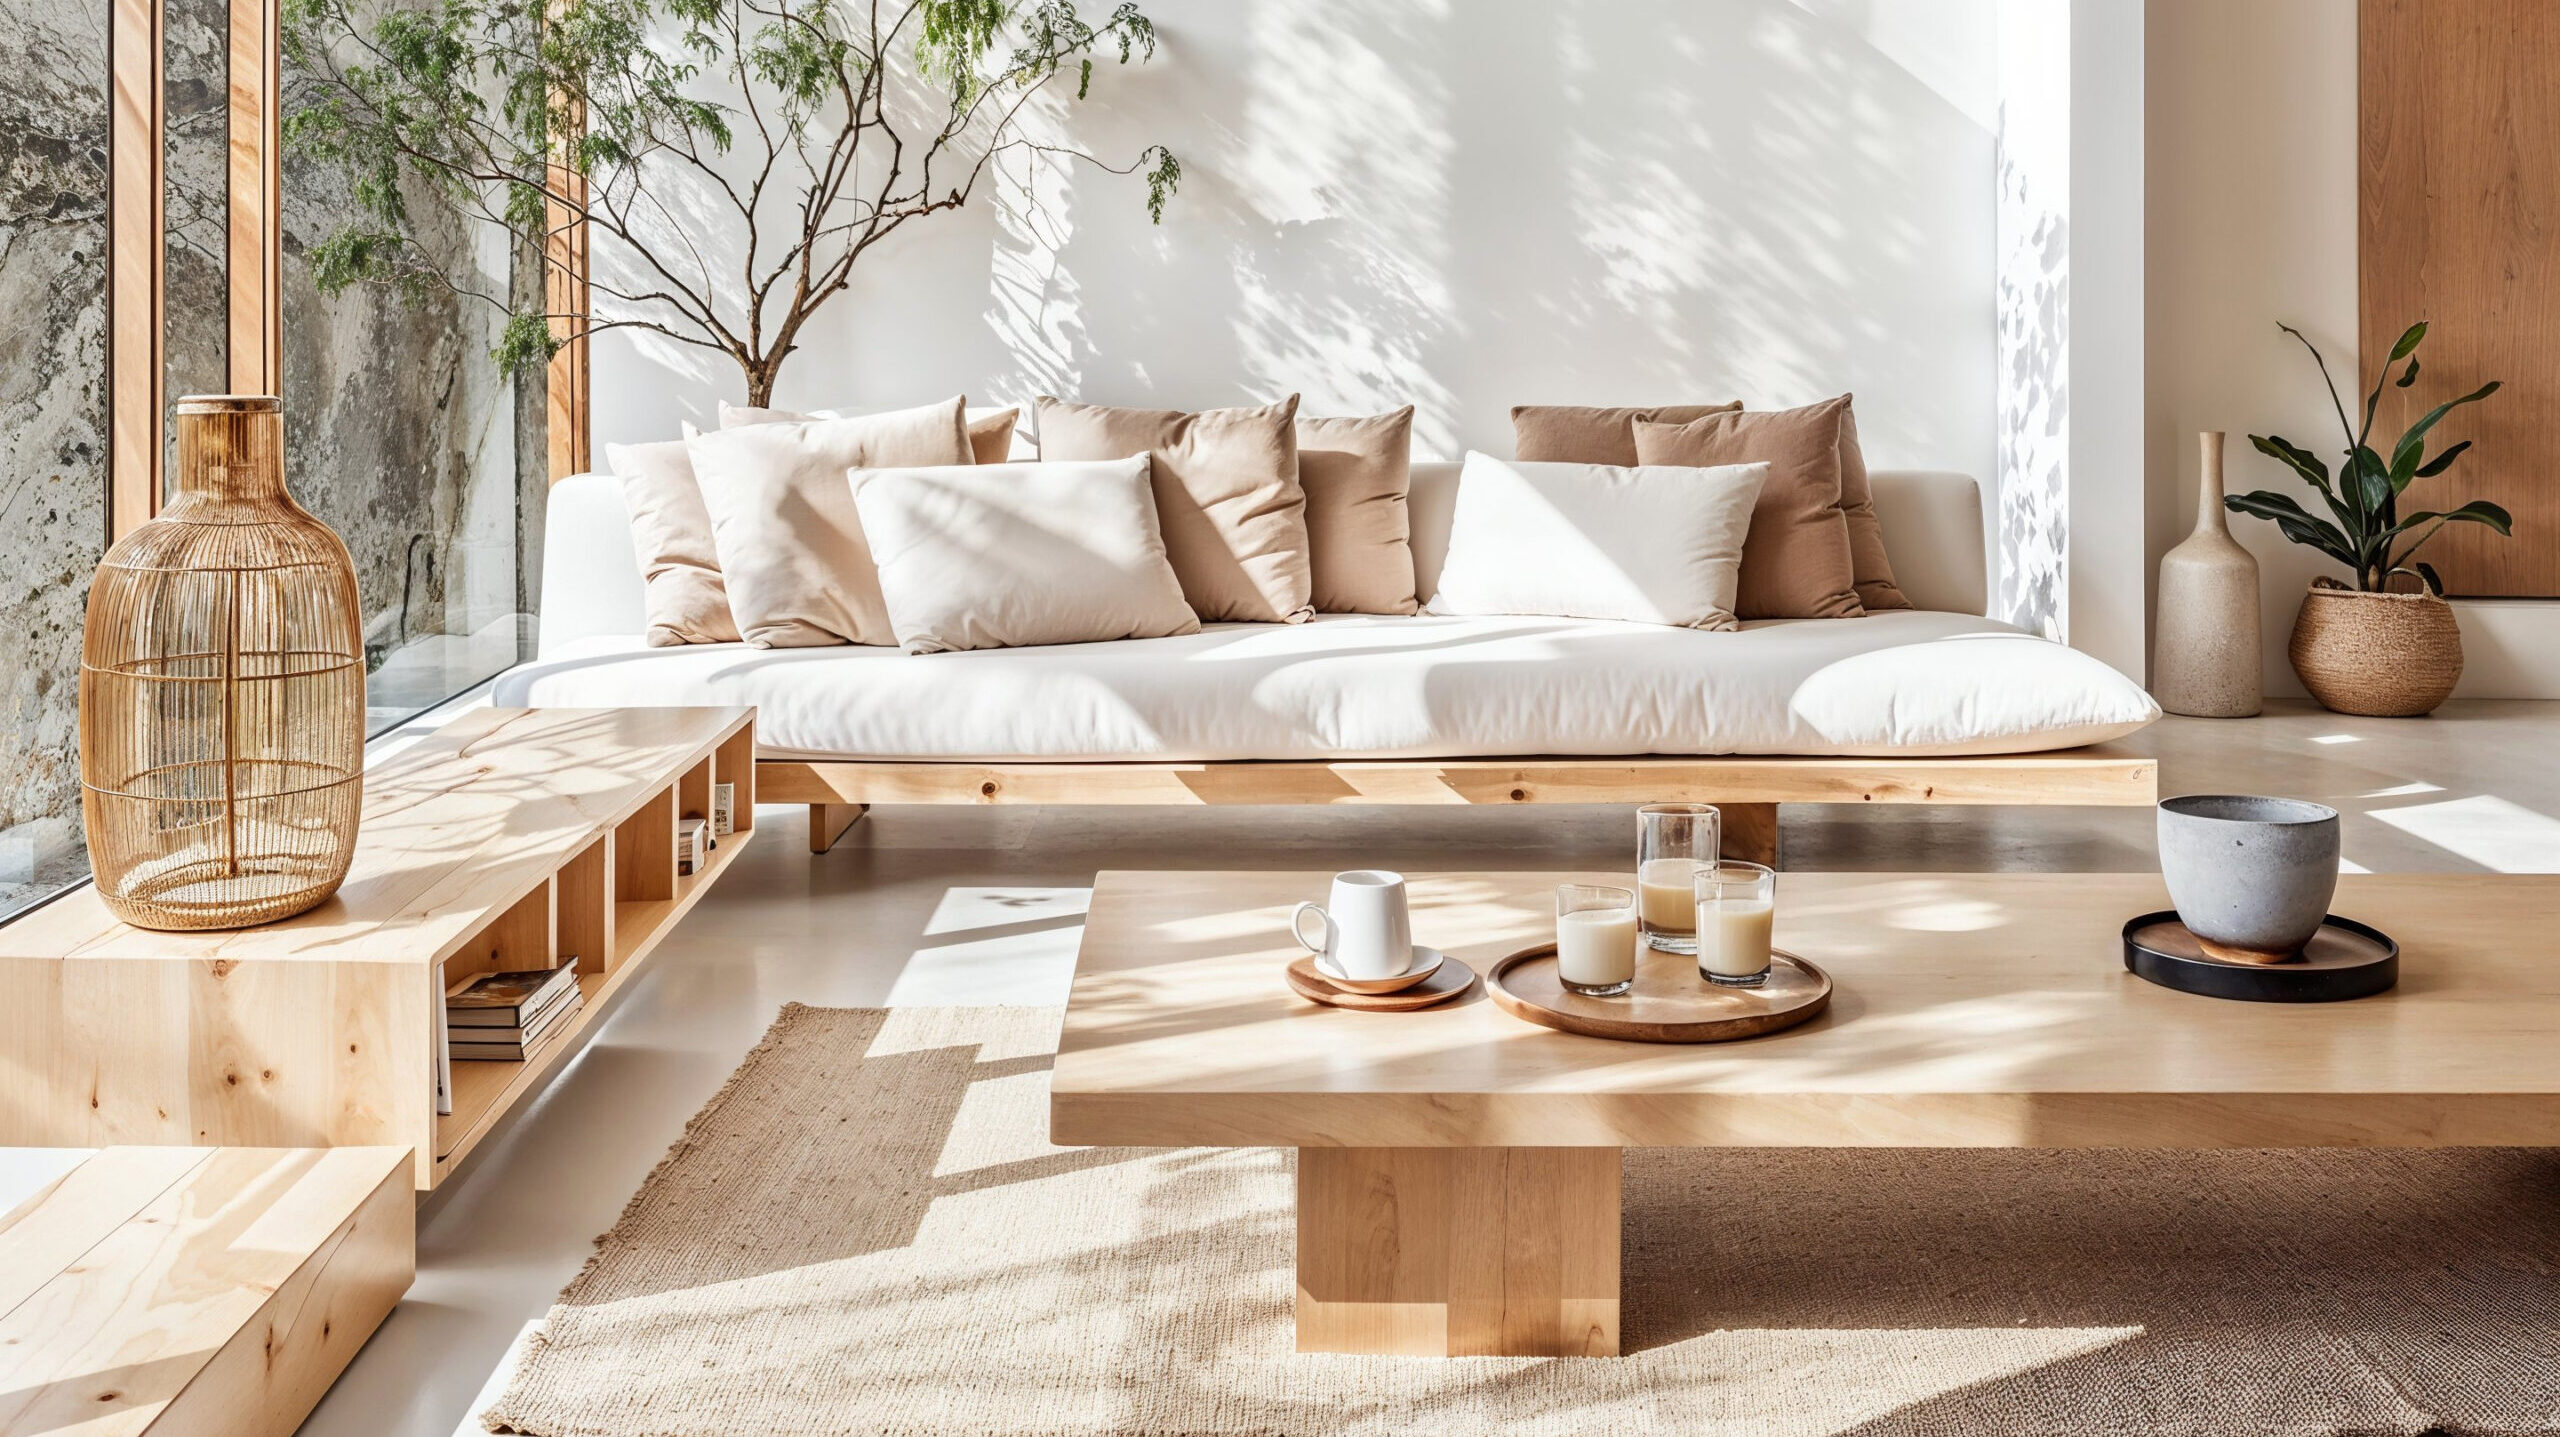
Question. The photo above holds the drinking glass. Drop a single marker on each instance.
(1737, 904)
(1673, 841)
(1595, 939)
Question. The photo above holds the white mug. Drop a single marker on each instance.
(1368, 928)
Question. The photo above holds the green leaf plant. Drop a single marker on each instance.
(2366, 529)
(737, 158)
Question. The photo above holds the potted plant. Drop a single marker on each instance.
(2370, 648)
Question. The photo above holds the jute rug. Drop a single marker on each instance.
(865, 1232)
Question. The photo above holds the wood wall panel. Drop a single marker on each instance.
(136, 236)
(256, 250)
(2460, 226)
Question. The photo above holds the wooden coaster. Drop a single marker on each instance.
(1449, 980)
(1669, 1004)
(2344, 960)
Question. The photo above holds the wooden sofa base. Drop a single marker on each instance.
(1749, 789)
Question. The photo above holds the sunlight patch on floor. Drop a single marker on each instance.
(2499, 835)
(1033, 968)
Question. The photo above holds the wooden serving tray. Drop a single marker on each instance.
(1669, 1004)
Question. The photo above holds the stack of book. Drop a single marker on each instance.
(511, 1017)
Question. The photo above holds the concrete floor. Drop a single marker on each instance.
(971, 906)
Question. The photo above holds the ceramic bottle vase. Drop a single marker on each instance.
(2205, 656)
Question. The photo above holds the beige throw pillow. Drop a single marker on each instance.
(1796, 565)
(671, 535)
(1226, 483)
(1357, 474)
(1598, 541)
(1583, 434)
(1876, 588)
(1000, 555)
(790, 540)
(990, 430)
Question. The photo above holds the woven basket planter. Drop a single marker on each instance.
(2386, 655)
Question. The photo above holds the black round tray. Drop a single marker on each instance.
(2345, 959)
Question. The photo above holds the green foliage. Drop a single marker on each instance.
(2365, 529)
(777, 135)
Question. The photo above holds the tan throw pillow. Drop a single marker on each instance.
(1598, 541)
(1356, 474)
(798, 570)
(1796, 563)
(1226, 482)
(999, 555)
(1876, 589)
(991, 436)
(1581, 434)
(671, 533)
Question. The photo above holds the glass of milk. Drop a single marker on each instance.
(1737, 903)
(1673, 842)
(1595, 939)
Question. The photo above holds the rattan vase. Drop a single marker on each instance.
(222, 691)
(2386, 655)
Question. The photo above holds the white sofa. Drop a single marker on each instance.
(1941, 681)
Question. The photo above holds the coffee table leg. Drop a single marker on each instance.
(1458, 1252)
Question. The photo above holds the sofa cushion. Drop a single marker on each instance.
(1000, 555)
(991, 431)
(1796, 563)
(1357, 474)
(1596, 541)
(792, 552)
(1350, 686)
(1235, 520)
(1587, 434)
(1867, 561)
(671, 537)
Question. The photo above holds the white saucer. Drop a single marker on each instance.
(1426, 961)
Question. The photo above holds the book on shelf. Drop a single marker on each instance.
(444, 1056)
(510, 1000)
(693, 845)
(470, 1046)
(724, 810)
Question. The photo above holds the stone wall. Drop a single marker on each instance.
(53, 417)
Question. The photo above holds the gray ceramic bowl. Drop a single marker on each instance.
(2250, 873)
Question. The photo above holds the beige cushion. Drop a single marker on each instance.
(990, 430)
(1583, 434)
(1797, 563)
(1002, 555)
(1598, 541)
(790, 541)
(671, 536)
(1359, 538)
(1227, 494)
(1876, 589)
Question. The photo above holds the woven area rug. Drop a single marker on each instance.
(865, 1232)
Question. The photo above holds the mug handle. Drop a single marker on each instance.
(1297, 927)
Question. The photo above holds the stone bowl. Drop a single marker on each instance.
(2250, 877)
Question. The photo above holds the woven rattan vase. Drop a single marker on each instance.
(222, 691)
(2387, 655)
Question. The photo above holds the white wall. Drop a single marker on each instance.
(1463, 206)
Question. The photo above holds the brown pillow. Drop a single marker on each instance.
(1876, 589)
(1227, 495)
(671, 535)
(1356, 473)
(1581, 434)
(1795, 562)
(991, 437)
(792, 553)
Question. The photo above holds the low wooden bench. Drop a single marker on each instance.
(1748, 789)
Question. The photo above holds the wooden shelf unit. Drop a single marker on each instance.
(512, 838)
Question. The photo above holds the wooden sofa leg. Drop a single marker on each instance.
(1751, 832)
(828, 821)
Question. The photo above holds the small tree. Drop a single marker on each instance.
(743, 154)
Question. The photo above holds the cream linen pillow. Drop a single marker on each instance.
(671, 533)
(1227, 495)
(1654, 545)
(1357, 474)
(1001, 555)
(798, 570)
(990, 430)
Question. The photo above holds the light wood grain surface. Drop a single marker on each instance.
(197, 1292)
(1971, 1010)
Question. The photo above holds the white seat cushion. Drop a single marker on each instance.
(1909, 682)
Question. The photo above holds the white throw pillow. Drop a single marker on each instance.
(1003, 555)
(790, 544)
(1658, 545)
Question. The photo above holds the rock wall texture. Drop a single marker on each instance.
(53, 415)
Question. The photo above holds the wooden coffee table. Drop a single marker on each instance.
(1458, 1170)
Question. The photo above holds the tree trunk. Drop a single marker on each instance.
(761, 374)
